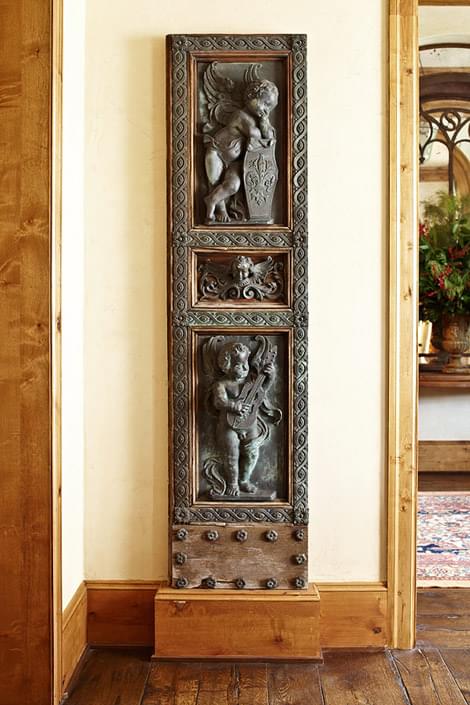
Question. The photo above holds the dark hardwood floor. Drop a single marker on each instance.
(437, 672)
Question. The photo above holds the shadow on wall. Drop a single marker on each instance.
(146, 302)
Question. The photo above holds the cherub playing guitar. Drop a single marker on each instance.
(237, 395)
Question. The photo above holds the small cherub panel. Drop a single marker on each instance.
(239, 278)
(240, 143)
(242, 417)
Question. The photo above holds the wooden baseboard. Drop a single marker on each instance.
(353, 615)
(121, 613)
(444, 456)
(74, 634)
(240, 625)
(444, 482)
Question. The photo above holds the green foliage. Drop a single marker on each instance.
(444, 257)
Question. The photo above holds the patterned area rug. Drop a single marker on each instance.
(443, 536)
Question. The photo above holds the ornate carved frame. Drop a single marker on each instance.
(184, 238)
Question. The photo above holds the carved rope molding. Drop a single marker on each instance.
(183, 238)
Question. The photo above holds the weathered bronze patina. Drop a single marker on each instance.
(238, 309)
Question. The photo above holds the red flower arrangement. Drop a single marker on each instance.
(444, 257)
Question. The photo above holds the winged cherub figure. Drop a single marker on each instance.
(241, 279)
(235, 117)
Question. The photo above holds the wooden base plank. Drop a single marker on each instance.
(237, 625)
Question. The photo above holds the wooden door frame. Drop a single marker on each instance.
(56, 340)
(403, 322)
(403, 316)
(30, 605)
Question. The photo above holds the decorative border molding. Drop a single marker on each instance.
(183, 236)
(197, 238)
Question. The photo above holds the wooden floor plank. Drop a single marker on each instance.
(426, 678)
(188, 677)
(458, 662)
(160, 686)
(439, 601)
(443, 618)
(218, 685)
(360, 678)
(112, 676)
(294, 684)
(253, 684)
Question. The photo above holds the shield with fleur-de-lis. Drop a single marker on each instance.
(260, 174)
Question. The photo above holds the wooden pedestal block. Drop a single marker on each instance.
(278, 625)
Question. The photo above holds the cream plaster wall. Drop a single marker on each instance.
(125, 308)
(444, 415)
(73, 299)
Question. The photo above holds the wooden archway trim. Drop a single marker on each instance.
(446, 85)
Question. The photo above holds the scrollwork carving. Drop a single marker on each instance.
(241, 279)
(238, 239)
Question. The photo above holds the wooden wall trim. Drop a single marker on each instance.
(56, 341)
(123, 584)
(444, 456)
(74, 635)
(26, 505)
(351, 614)
(121, 612)
(403, 321)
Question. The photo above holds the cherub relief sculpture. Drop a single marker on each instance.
(239, 144)
(238, 384)
(241, 279)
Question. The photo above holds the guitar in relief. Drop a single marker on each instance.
(238, 385)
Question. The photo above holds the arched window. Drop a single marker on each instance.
(444, 118)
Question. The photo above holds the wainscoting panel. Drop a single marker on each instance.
(74, 634)
(121, 613)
